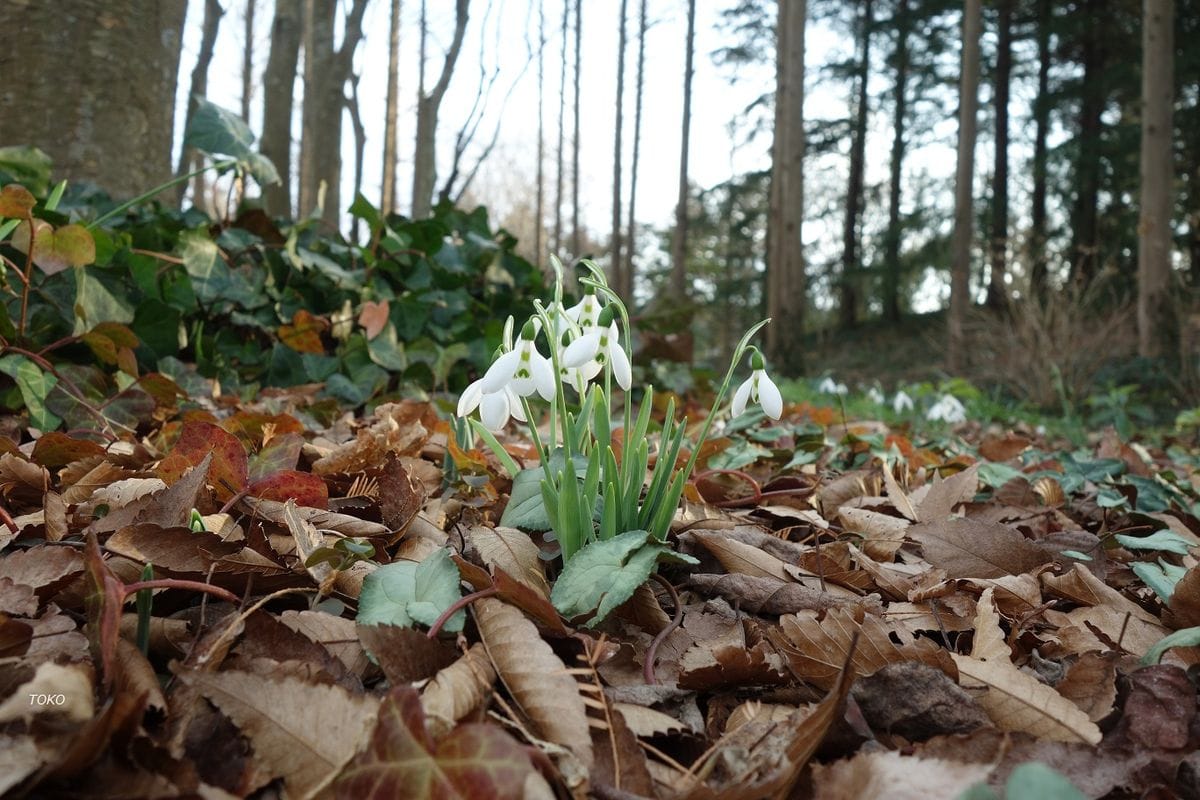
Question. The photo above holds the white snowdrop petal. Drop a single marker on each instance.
(514, 405)
(769, 396)
(622, 370)
(581, 351)
(500, 372)
(470, 398)
(543, 377)
(493, 410)
(741, 397)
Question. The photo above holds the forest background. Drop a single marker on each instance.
(914, 189)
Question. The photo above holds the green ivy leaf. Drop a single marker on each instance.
(34, 385)
(1184, 637)
(28, 166)
(604, 574)
(404, 593)
(217, 131)
(1164, 540)
(1036, 781)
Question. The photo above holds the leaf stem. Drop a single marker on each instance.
(175, 583)
(676, 618)
(457, 606)
(141, 198)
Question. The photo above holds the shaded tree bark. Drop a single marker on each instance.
(960, 248)
(189, 160)
(631, 238)
(1157, 176)
(123, 57)
(997, 291)
(785, 251)
(326, 71)
(576, 231)
(616, 264)
(391, 112)
(562, 121)
(851, 255)
(248, 57)
(679, 239)
(1085, 217)
(279, 78)
(428, 106)
(891, 245)
(1041, 122)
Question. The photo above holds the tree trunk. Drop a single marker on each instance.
(562, 121)
(90, 83)
(891, 253)
(631, 236)
(539, 214)
(616, 265)
(189, 160)
(1157, 177)
(360, 146)
(960, 249)
(248, 58)
(997, 294)
(576, 232)
(278, 82)
(428, 105)
(851, 256)
(326, 71)
(391, 112)
(1041, 121)
(679, 240)
(1085, 222)
(785, 246)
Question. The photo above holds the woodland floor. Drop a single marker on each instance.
(874, 614)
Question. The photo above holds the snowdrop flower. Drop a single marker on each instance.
(760, 388)
(523, 370)
(875, 396)
(494, 407)
(902, 402)
(600, 345)
(947, 409)
(586, 313)
(829, 386)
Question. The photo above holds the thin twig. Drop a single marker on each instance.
(648, 664)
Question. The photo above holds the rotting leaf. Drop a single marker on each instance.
(966, 548)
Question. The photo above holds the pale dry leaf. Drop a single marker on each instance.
(741, 558)
(167, 507)
(70, 683)
(647, 722)
(536, 678)
(942, 497)
(18, 475)
(1015, 595)
(119, 494)
(56, 517)
(882, 534)
(308, 541)
(1081, 586)
(1017, 701)
(897, 495)
(887, 773)
(397, 429)
(81, 479)
(302, 732)
(337, 634)
(831, 496)
(135, 676)
(46, 568)
(457, 690)
(989, 641)
(752, 710)
(817, 649)
(344, 524)
(966, 548)
(1104, 628)
(512, 551)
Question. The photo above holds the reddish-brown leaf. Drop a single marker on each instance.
(373, 317)
(402, 760)
(304, 488)
(54, 450)
(966, 548)
(228, 471)
(304, 334)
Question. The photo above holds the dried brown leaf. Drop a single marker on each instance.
(882, 534)
(300, 732)
(168, 507)
(46, 569)
(404, 654)
(457, 690)
(741, 558)
(966, 548)
(337, 634)
(647, 722)
(916, 701)
(895, 776)
(535, 677)
(344, 524)
(765, 595)
(939, 502)
(513, 552)
(989, 643)
(172, 549)
(897, 495)
(1091, 684)
(730, 660)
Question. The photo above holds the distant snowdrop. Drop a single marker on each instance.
(902, 402)
(875, 396)
(829, 386)
(947, 409)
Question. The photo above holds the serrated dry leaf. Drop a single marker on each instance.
(536, 678)
(301, 732)
(943, 496)
(171, 549)
(1017, 701)
(895, 776)
(647, 722)
(45, 568)
(457, 690)
(897, 495)
(336, 634)
(168, 507)
(753, 710)
(741, 558)
(817, 649)
(882, 534)
(123, 492)
(966, 548)
(512, 551)
(308, 541)
(321, 520)
(731, 659)
(404, 654)
(989, 644)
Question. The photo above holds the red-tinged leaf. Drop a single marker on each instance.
(16, 201)
(56, 250)
(279, 454)
(473, 761)
(105, 597)
(55, 450)
(127, 361)
(228, 472)
(107, 339)
(304, 334)
(373, 317)
(304, 488)
(252, 427)
(165, 391)
(400, 495)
